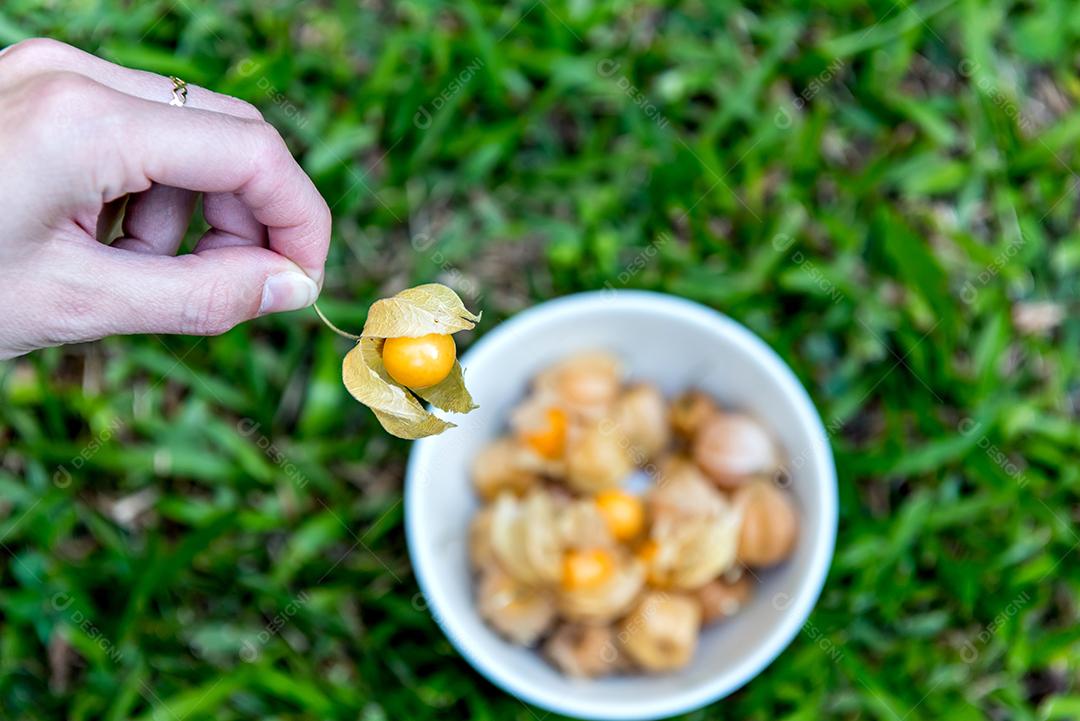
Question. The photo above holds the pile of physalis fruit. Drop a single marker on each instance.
(406, 353)
(603, 578)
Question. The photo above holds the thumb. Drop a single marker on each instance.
(102, 291)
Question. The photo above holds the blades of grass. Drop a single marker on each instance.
(302, 693)
(127, 696)
(158, 567)
(881, 33)
(917, 265)
(312, 537)
(193, 702)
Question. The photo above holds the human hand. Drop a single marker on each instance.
(77, 132)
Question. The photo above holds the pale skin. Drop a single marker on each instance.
(77, 132)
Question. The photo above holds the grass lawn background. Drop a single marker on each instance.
(212, 529)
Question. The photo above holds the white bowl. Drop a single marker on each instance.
(677, 344)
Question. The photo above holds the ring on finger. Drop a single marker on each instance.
(179, 92)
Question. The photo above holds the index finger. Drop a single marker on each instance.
(204, 151)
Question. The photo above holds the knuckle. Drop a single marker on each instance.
(271, 154)
(324, 217)
(57, 95)
(269, 140)
(33, 52)
(244, 109)
(211, 310)
(222, 103)
(326, 224)
(327, 217)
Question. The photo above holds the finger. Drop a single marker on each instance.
(156, 220)
(137, 143)
(43, 55)
(95, 290)
(232, 224)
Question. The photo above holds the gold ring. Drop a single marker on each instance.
(179, 92)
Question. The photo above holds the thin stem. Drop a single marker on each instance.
(333, 327)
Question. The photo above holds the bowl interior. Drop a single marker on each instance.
(676, 344)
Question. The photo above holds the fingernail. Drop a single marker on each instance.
(287, 291)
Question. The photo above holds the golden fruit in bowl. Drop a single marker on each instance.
(602, 578)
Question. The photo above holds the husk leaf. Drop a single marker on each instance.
(395, 408)
(450, 395)
(418, 311)
(430, 308)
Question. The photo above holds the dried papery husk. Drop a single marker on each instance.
(581, 525)
(543, 426)
(521, 613)
(399, 412)
(689, 552)
(419, 311)
(623, 513)
(584, 651)
(481, 552)
(733, 448)
(585, 385)
(415, 312)
(694, 529)
(769, 524)
(525, 537)
(682, 491)
(449, 394)
(507, 465)
(721, 598)
(605, 601)
(596, 458)
(635, 599)
(661, 632)
(640, 417)
(690, 411)
(531, 413)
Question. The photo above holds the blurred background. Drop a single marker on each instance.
(885, 191)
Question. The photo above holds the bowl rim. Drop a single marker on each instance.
(799, 607)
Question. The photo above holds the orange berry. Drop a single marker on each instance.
(419, 362)
(624, 513)
(550, 440)
(646, 555)
(587, 568)
(646, 552)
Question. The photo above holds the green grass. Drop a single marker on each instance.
(875, 189)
